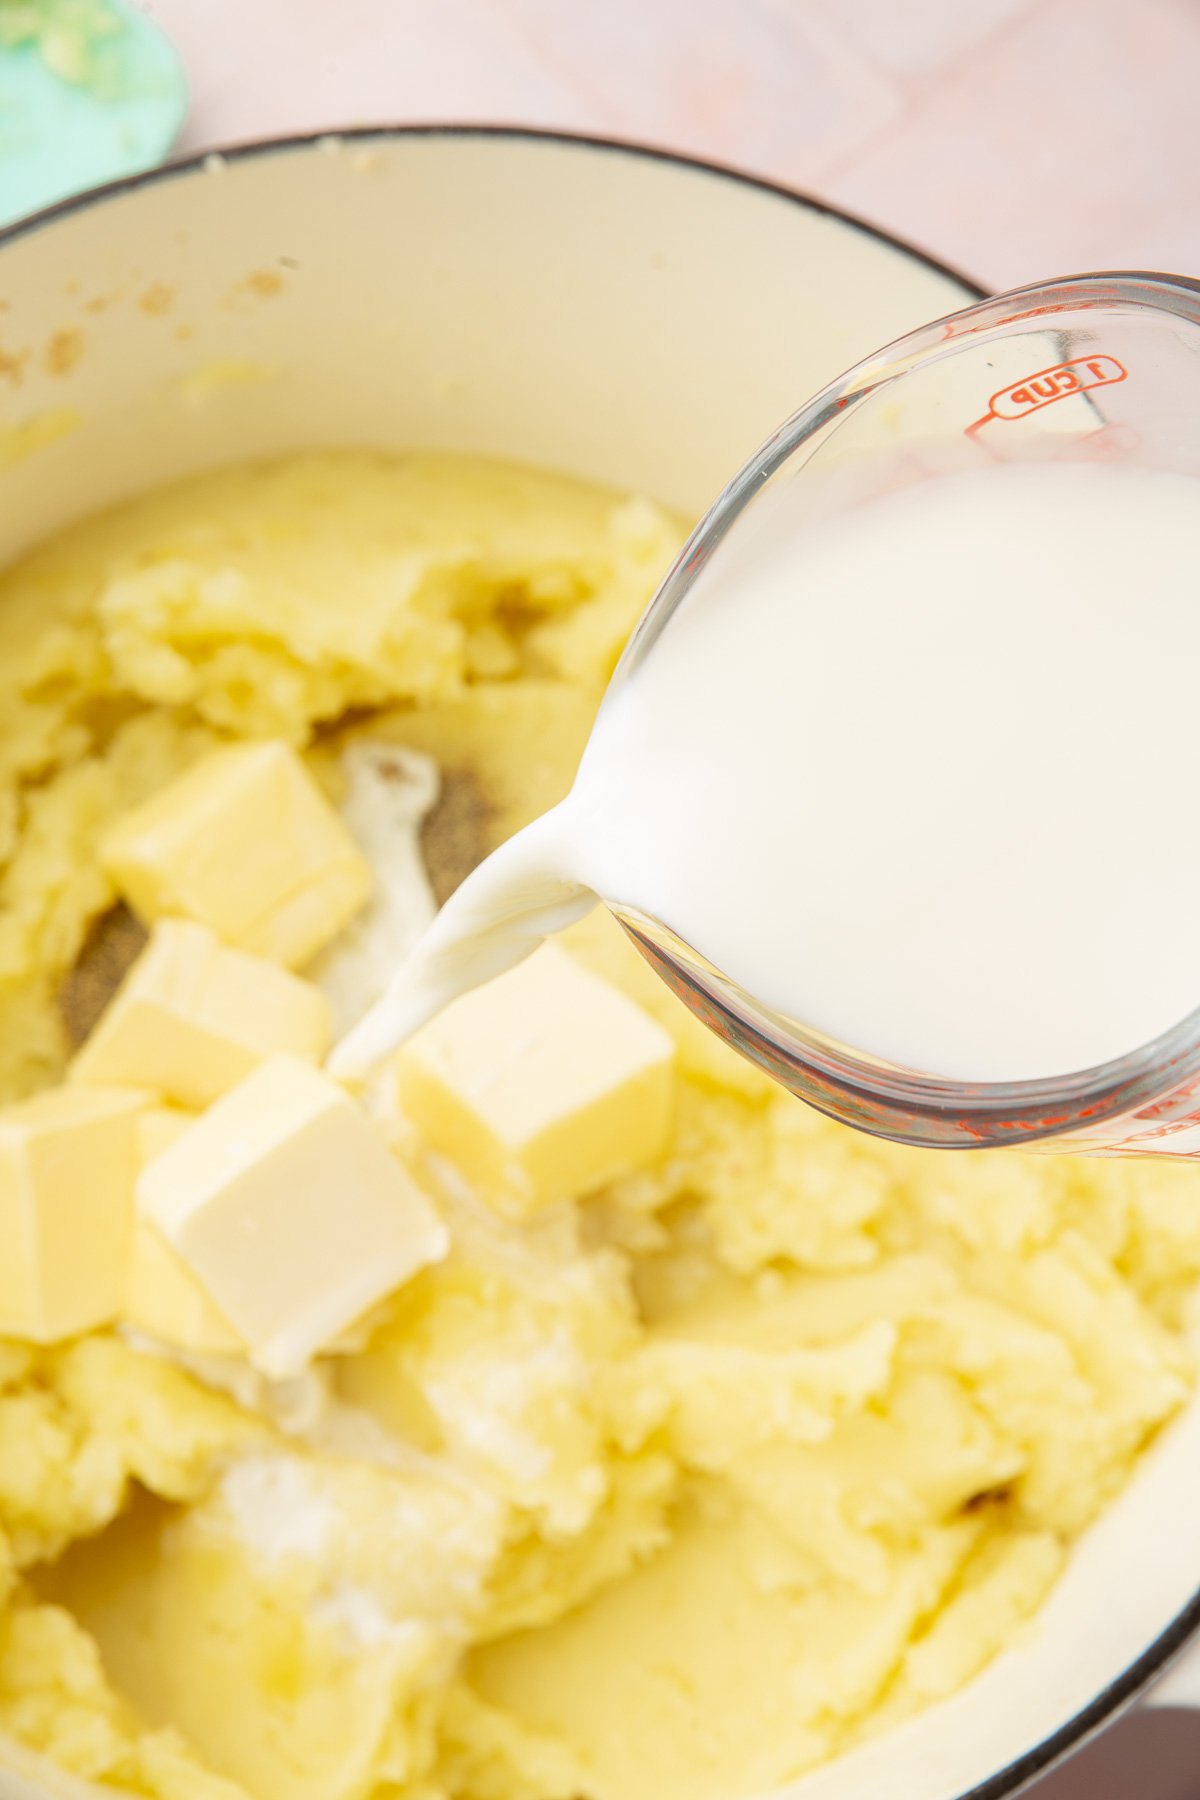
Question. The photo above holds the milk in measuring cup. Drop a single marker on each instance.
(922, 777)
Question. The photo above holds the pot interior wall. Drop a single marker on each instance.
(619, 315)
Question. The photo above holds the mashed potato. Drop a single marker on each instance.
(668, 1495)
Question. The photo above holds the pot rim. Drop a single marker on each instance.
(250, 149)
(1154, 1660)
(1099, 1713)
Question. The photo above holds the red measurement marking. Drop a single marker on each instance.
(1059, 381)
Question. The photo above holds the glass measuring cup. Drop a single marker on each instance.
(1098, 368)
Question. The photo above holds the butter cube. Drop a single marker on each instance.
(545, 1083)
(192, 1017)
(162, 1296)
(164, 1300)
(286, 1204)
(158, 1126)
(68, 1159)
(246, 843)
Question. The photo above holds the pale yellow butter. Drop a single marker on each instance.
(246, 843)
(68, 1160)
(163, 1299)
(287, 1205)
(545, 1083)
(158, 1126)
(192, 1017)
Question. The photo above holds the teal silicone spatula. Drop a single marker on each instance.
(89, 90)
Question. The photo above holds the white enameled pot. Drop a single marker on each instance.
(625, 315)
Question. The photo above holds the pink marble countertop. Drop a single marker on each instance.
(1013, 138)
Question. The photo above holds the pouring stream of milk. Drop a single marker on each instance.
(923, 779)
